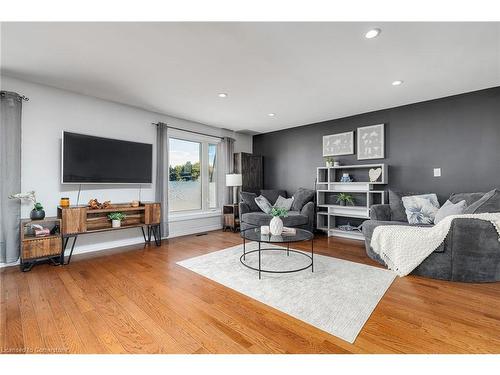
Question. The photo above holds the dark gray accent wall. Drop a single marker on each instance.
(459, 134)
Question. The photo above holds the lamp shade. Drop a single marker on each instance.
(234, 179)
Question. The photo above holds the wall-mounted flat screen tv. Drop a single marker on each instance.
(96, 160)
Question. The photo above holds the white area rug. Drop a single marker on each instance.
(338, 297)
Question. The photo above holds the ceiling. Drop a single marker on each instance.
(302, 72)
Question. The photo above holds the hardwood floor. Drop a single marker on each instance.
(137, 300)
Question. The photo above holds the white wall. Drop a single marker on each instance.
(50, 110)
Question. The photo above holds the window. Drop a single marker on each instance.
(192, 185)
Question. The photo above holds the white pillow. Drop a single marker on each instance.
(421, 209)
(284, 203)
(263, 204)
(450, 208)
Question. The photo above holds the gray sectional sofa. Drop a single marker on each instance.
(301, 214)
(470, 252)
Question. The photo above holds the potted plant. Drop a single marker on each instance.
(329, 160)
(343, 199)
(37, 213)
(116, 219)
(276, 224)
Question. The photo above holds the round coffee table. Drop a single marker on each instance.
(254, 234)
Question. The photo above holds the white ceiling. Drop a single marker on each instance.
(303, 72)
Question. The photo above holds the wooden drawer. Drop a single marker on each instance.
(42, 247)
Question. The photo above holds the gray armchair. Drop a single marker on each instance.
(301, 214)
(470, 252)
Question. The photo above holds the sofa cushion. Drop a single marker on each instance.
(489, 202)
(398, 212)
(285, 203)
(469, 198)
(301, 197)
(450, 208)
(263, 204)
(249, 200)
(421, 209)
(273, 194)
(294, 218)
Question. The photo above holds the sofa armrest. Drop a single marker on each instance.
(381, 212)
(475, 250)
(308, 210)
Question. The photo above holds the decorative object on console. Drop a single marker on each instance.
(344, 199)
(276, 224)
(421, 209)
(64, 202)
(346, 178)
(234, 180)
(338, 144)
(329, 161)
(116, 219)
(135, 203)
(371, 142)
(95, 205)
(374, 174)
(37, 213)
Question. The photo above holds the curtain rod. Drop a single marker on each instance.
(189, 131)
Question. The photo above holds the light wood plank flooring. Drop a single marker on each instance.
(137, 300)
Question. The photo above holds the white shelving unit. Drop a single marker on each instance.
(329, 213)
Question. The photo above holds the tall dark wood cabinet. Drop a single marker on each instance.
(251, 168)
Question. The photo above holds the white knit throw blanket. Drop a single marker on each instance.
(403, 248)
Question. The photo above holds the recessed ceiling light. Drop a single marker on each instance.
(222, 95)
(397, 83)
(373, 33)
(271, 114)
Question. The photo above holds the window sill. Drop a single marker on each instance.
(184, 216)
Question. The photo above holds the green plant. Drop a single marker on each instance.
(278, 211)
(329, 159)
(346, 198)
(116, 216)
(38, 206)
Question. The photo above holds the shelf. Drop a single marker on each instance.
(355, 235)
(33, 238)
(115, 209)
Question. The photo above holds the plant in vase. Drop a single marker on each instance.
(344, 199)
(330, 161)
(276, 224)
(116, 219)
(37, 213)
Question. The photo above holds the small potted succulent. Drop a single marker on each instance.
(330, 161)
(37, 213)
(344, 199)
(276, 224)
(116, 219)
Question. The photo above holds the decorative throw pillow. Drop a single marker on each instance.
(301, 197)
(450, 208)
(263, 204)
(249, 200)
(283, 203)
(421, 209)
(272, 194)
(398, 212)
(469, 198)
(489, 203)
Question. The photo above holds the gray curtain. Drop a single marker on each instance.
(162, 174)
(227, 161)
(10, 175)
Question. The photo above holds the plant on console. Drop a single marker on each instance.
(116, 218)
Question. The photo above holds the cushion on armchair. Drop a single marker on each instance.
(301, 197)
(273, 194)
(398, 212)
(490, 202)
(469, 198)
(249, 200)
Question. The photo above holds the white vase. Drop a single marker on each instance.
(116, 223)
(276, 226)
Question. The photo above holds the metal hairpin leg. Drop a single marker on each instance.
(64, 249)
(259, 261)
(144, 234)
(312, 254)
(288, 249)
(244, 248)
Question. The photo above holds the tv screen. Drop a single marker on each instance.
(89, 159)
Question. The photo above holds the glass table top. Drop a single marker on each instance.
(254, 234)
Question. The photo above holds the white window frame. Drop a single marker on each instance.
(205, 210)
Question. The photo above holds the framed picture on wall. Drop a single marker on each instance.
(338, 144)
(371, 144)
